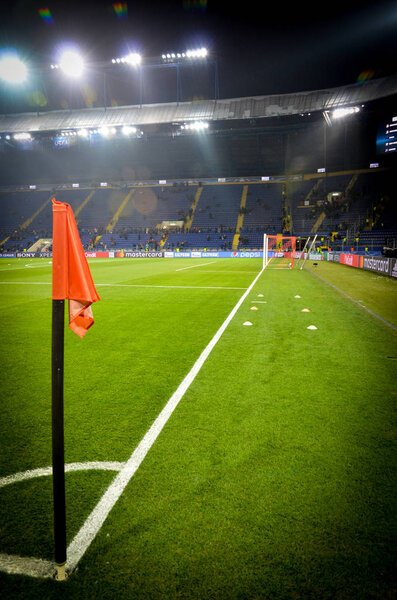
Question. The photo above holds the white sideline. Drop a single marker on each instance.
(95, 520)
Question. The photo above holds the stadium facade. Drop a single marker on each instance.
(246, 137)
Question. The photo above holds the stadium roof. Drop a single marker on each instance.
(256, 107)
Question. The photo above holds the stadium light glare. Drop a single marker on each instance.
(195, 126)
(128, 130)
(133, 59)
(339, 113)
(71, 63)
(83, 133)
(22, 137)
(195, 54)
(12, 68)
(107, 131)
(198, 53)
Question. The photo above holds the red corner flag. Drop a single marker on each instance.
(71, 276)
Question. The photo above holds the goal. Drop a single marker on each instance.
(279, 251)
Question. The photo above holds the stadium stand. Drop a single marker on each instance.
(156, 216)
(256, 169)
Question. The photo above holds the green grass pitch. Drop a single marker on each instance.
(274, 478)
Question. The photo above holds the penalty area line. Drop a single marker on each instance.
(134, 285)
(95, 520)
(194, 266)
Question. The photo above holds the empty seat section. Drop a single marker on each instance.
(218, 208)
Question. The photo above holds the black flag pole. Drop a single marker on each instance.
(58, 453)
(72, 281)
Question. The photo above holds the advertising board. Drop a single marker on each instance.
(352, 260)
(378, 264)
(126, 254)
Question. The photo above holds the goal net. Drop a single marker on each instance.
(279, 251)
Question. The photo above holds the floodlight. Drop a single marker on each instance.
(198, 53)
(128, 130)
(339, 113)
(22, 137)
(82, 133)
(12, 69)
(107, 131)
(72, 63)
(195, 126)
(133, 58)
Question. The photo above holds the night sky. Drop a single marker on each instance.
(260, 47)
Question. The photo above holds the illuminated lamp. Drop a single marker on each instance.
(198, 53)
(12, 69)
(128, 130)
(195, 126)
(22, 137)
(107, 131)
(339, 113)
(134, 59)
(82, 133)
(72, 63)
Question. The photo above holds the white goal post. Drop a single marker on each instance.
(279, 250)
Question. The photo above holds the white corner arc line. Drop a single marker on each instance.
(194, 266)
(38, 567)
(22, 565)
(71, 467)
(95, 520)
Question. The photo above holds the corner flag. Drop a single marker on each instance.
(71, 279)
(71, 276)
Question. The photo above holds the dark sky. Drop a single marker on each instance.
(260, 47)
